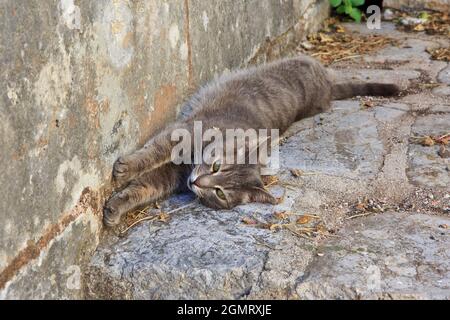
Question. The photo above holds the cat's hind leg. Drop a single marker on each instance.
(146, 188)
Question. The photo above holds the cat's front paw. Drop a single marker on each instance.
(122, 172)
(111, 216)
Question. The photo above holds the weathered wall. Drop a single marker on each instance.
(439, 5)
(83, 81)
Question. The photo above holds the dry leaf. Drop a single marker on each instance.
(441, 54)
(270, 180)
(275, 226)
(164, 217)
(444, 139)
(361, 206)
(340, 45)
(321, 228)
(249, 221)
(304, 219)
(325, 38)
(340, 29)
(296, 172)
(419, 27)
(427, 141)
(367, 104)
(282, 215)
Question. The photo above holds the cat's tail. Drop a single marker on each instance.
(351, 89)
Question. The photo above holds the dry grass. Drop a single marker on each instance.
(334, 44)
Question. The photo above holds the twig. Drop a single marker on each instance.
(264, 244)
(360, 215)
(154, 217)
(271, 183)
(300, 234)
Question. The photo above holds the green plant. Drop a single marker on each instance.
(348, 7)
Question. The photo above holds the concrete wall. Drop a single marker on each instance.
(84, 81)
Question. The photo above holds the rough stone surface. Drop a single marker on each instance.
(347, 155)
(439, 5)
(84, 81)
(389, 256)
(426, 166)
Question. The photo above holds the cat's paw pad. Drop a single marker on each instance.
(121, 170)
(111, 217)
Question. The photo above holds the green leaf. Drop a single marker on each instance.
(348, 10)
(348, 6)
(357, 3)
(424, 15)
(341, 9)
(356, 14)
(335, 3)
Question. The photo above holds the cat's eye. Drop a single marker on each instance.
(220, 194)
(215, 167)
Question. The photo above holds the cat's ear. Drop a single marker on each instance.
(257, 194)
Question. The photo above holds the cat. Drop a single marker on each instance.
(271, 96)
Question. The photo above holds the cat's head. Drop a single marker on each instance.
(223, 186)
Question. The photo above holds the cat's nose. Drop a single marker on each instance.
(200, 181)
(196, 182)
(192, 180)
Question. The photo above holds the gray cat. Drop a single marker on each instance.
(272, 96)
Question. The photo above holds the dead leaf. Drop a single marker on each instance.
(296, 172)
(249, 221)
(444, 139)
(304, 219)
(321, 228)
(419, 28)
(275, 226)
(440, 54)
(367, 104)
(361, 206)
(282, 215)
(340, 29)
(329, 47)
(270, 180)
(427, 141)
(163, 217)
(325, 38)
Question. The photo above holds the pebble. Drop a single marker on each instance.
(388, 15)
(408, 21)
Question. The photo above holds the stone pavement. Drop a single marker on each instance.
(384, 203)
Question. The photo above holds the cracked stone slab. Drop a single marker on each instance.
(426, 167)
(200, 254)
(442, 91)
(440, 5)
(340, 143)
(400, 77)
(388, 256)
(444, 75)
